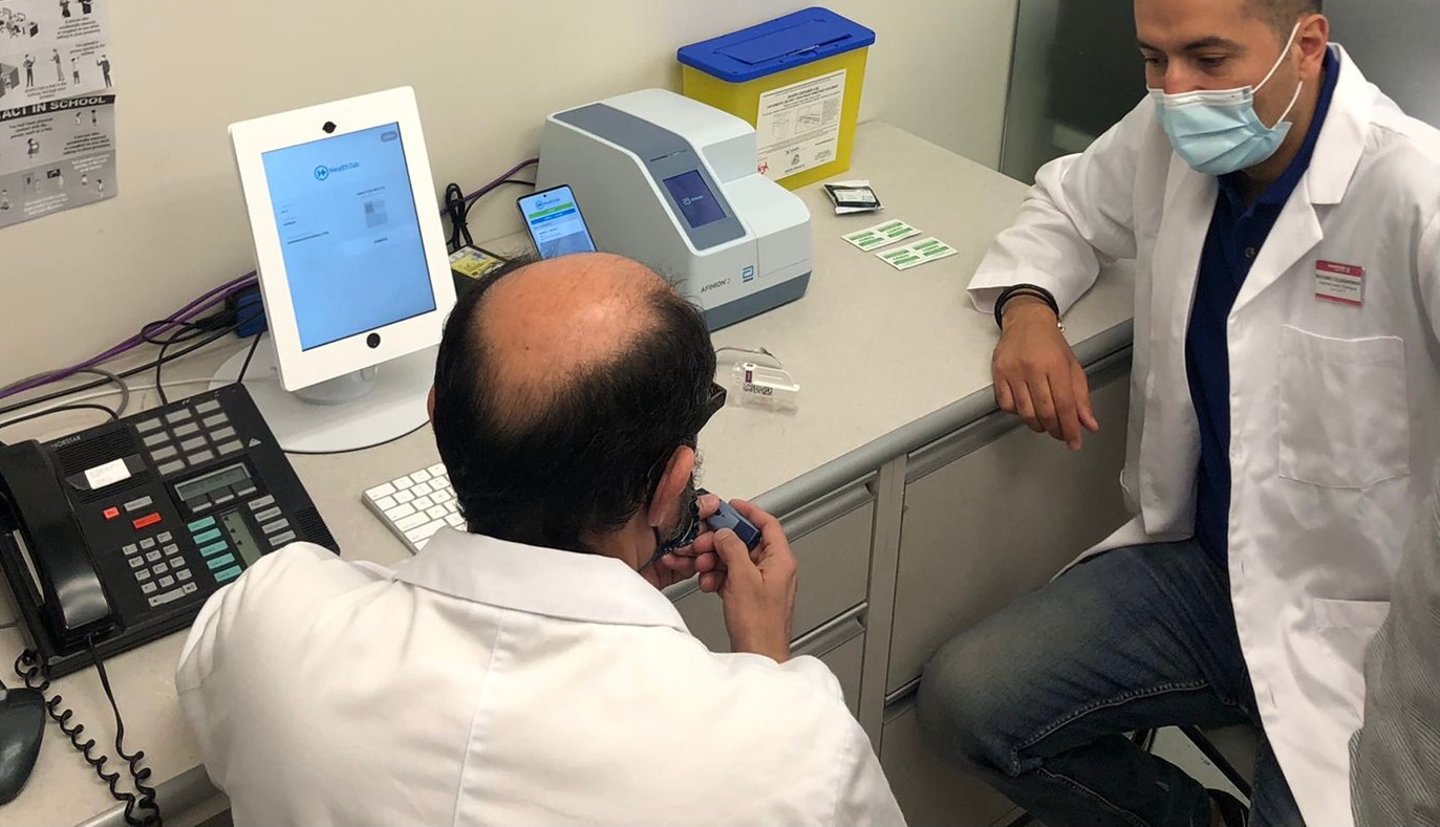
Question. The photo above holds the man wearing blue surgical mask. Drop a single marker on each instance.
(1284, 220)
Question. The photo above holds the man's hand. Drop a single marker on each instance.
(682, 564)
(758, 594)
(1037, 375)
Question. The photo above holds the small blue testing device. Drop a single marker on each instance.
(728, 517)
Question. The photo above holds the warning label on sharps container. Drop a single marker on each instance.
(798, 126)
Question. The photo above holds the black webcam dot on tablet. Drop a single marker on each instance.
(329, 127)
(373, 340)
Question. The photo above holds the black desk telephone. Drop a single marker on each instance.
(116, 535)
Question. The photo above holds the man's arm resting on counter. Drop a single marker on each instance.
(1078, 217)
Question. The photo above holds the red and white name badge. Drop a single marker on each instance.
(1340, 283)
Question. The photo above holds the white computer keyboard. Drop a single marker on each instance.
(416, 505)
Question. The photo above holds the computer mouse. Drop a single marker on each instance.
(22, 724)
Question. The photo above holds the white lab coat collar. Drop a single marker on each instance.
(544, 581)
(1342, 138)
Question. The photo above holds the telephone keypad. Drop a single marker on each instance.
(190, 437)
(159, 566)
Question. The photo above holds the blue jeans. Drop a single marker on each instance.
(1036, 700)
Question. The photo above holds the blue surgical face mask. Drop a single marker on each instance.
(1217, 132)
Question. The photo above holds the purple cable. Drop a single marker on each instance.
(184, 314)
(485, 190)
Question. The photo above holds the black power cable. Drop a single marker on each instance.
(457, 209)
(189, 332)
(78, 406)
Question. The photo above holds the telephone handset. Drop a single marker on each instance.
(47, 538)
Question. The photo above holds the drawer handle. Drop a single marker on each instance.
(810, 518)
(832, 635)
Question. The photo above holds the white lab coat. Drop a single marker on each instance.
(1335, 409)
(489, 683)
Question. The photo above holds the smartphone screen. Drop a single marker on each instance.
(555, 223)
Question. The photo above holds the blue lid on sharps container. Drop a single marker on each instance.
(783, 43)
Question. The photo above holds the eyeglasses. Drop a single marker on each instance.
(713, 403)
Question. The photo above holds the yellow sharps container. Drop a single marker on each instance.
(797, 79)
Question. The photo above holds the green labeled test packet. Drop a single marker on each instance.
(881, 235)
(913, 255)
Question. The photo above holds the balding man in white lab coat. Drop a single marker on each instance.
(529, 670)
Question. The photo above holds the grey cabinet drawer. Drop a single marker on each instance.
(831, 541)
(931, 792)
(840, 644)
(984, 525)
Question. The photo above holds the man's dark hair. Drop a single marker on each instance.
(1283, 14)
(587, 461)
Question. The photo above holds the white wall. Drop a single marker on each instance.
(486, 72)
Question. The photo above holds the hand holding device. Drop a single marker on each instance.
(759, 594)
(726, 516)
(682, 564)
(718, 514)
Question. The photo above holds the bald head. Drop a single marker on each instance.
(551, 323)
(559, 387)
